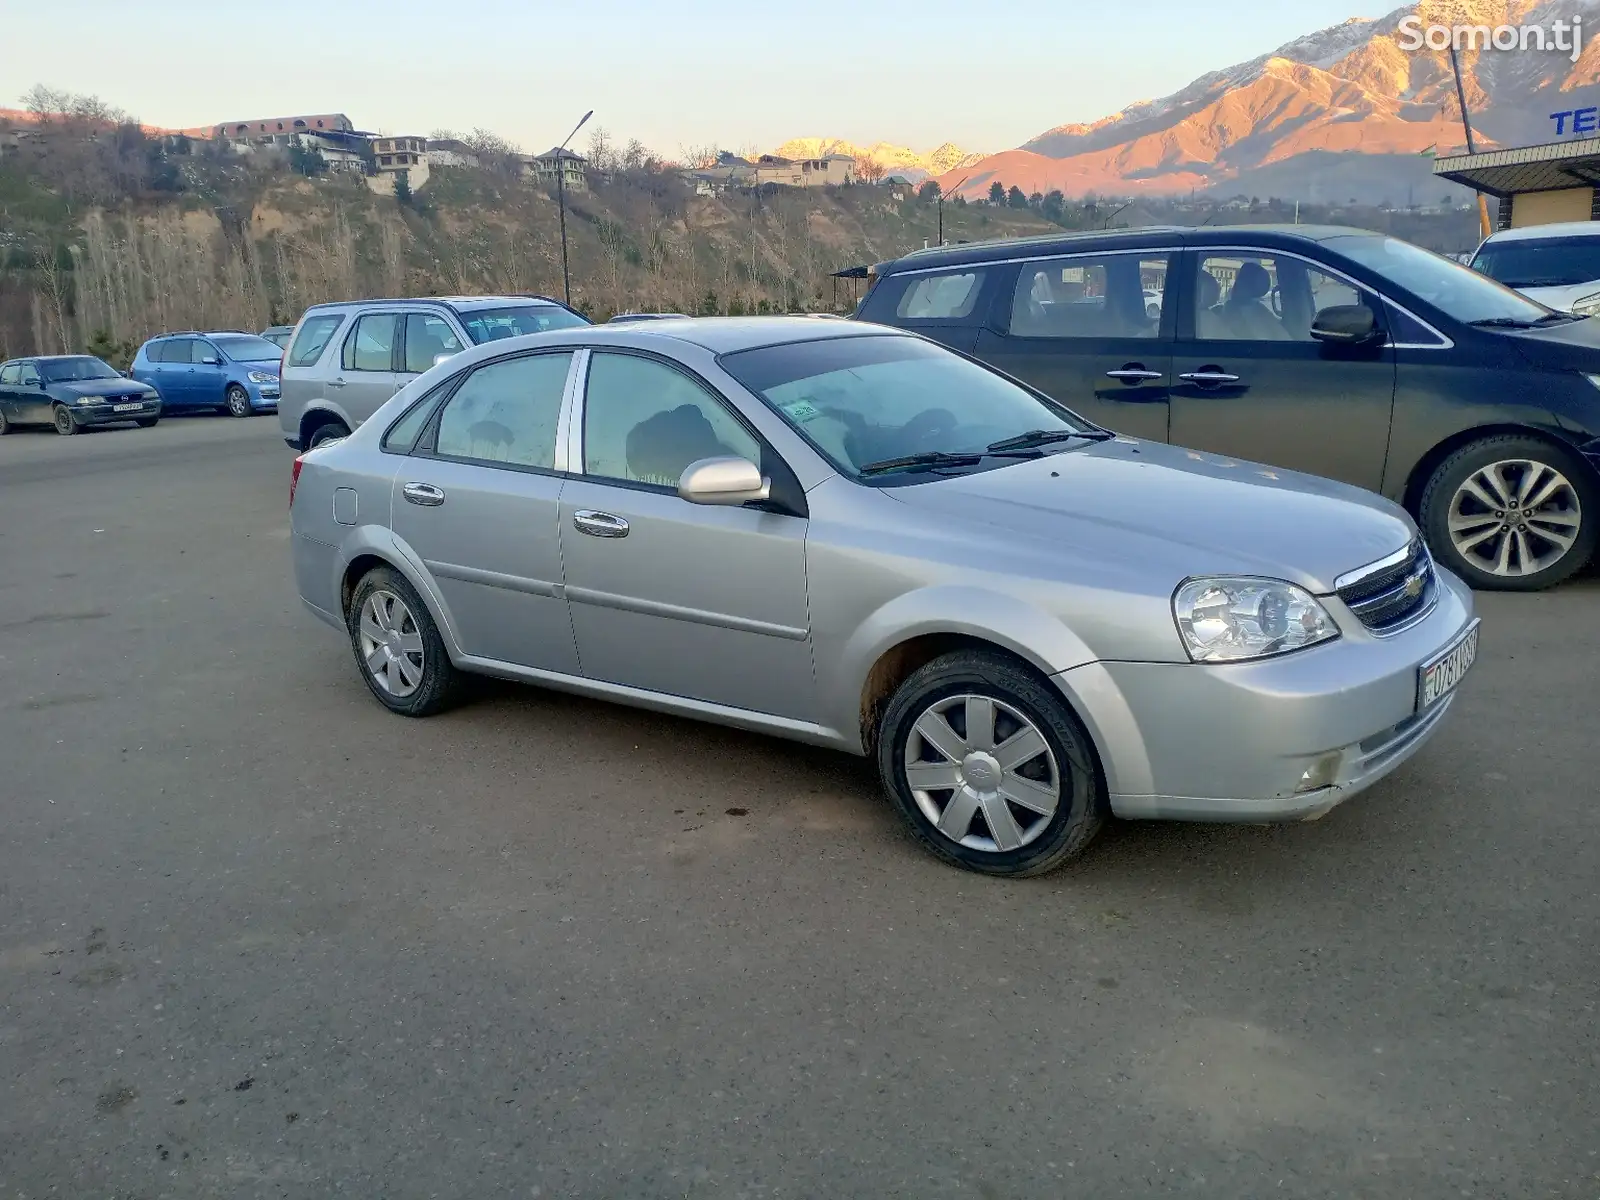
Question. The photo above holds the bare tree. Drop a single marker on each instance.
(602, 157)
(870, 170)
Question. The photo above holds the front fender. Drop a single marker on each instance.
(1026, 630)
(324, 405)
(380, 542)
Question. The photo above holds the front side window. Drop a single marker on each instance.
(178, 350)
(949, 297)
(1100, 296)
(428, 337)
(506, 412)
(313, 338)
(492, 324)
(76, 369)
(868, 400)
(1459, 292)
(370, 346)
(30, 374)
(645, 422)
(1265, 297)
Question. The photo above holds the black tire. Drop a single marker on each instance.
(1081, 807)
(5, 425)
(1478, 566)
(326, 433)
(440, 684)
(237, 403)
(66, 424)
(147, 422)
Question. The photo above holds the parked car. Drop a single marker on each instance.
(346, 360)
(1558, 265)
(227, 371)
(71, 392)
(850, 536)
(278, 335)
(1321, 349)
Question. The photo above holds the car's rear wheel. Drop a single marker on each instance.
(397, 646)
(326, 433)
(989, 766)
(5, 425)
(238, 401)
(66, 424)
(1512, 513)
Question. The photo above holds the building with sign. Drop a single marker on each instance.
(1536, 185)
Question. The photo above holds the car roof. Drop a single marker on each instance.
(1010, 249)
(726, 335)
(1556, 229)
(460, 303)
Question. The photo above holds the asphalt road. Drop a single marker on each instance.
(260, 938)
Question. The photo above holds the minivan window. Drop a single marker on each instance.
(1540, 262)
(1112, 295)
(492, 324)
(940, 297)
(176, 350)
(313, 338)
(1457, 291)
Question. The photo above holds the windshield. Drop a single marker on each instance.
(869, 400)
(492, 324)
(241, 347)
(1541, 262)
(1453, 289)
(75, 370)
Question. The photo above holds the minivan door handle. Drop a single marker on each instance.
(1209, 377)
(599, 524)
(1135, 373)
(423, 493)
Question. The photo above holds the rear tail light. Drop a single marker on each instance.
(294, 477)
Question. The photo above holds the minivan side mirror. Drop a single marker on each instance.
(730, 481)
(1345, 325)
(210, 360)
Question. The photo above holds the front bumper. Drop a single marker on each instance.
(101, 413)
(1189, 742)
(264, 396)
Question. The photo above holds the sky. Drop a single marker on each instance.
(985, 74)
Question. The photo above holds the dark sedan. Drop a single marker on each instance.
(1326, 350)
(70, 392)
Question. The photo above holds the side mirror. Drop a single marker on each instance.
(1345, 325)
(439, 358)
(210, 360)
(730, 481)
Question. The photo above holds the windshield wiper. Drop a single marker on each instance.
(928, 458)
(1043, 437)
(1519, 323)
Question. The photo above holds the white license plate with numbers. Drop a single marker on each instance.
(127, 407)
(1438, 677)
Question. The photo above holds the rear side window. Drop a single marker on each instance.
(402, 435)
(948, 297)
(506, 412)
(11, 374)
(313, 338)
(370, 346)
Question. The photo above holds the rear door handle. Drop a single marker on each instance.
(1135, 375)
(335, 383)
(423, 493)
(599, 524)
(1208, 378)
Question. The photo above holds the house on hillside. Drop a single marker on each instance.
(394, 155)
(278, 131)
(567, 167)
(450, 152)
(833, 169)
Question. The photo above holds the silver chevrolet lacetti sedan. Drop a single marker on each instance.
(850, 536)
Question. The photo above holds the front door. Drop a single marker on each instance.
(209, 381)
(369, 365)
(175, 373)
(691, 600)
(478, 502)
(1094, 332)
(1250, 382)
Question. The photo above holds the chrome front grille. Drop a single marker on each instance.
(1392, 593)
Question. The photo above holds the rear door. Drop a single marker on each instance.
(1085, 330)
(946, 304)
(369, 364)
(1250, 382)
(32, 401)
(176, 379)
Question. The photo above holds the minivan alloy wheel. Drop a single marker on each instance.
(238, 401)
(982, 773)
(1515, 517)
(391, 643)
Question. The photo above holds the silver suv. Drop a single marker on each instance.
(345, 360)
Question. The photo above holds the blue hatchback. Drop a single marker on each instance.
(236, 373)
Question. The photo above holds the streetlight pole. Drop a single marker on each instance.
(561, 203)
(957, 187)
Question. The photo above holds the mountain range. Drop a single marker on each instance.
(1345, 112)
(895, 160)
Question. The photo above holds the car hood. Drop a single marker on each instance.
(102, 387)
(1562, 298)
(1178, 511)
(1573, 346)
(259, 364)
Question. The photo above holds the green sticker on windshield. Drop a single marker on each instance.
(801, 411)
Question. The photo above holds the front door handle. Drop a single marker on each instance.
(599, 524)
(335, 383)
(1134, 373)
(1208, 378)
(423, 493)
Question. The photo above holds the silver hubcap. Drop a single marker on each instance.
(391, 643)
(1515, 518)
(239, 402)
(982, 773)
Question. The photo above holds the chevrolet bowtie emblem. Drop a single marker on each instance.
(1414, 586)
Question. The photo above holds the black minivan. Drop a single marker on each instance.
(1332, 351)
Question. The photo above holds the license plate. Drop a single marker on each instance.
(1437, 678)
(127, 407)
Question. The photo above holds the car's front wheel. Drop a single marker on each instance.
(147, 422)
(397, 646)
(238, 401)
(66, 424)
(1512, 513)
(989, 766)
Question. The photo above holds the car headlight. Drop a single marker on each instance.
(1229, 619)
(263, 377)
(1588, 305)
